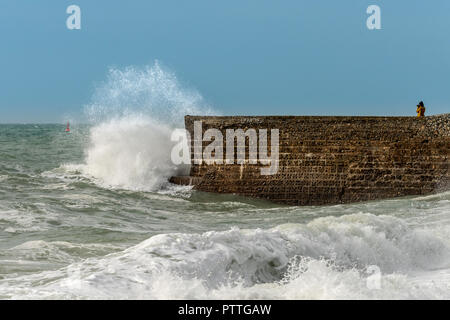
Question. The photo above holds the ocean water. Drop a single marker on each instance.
(68, 231)
(90, 215)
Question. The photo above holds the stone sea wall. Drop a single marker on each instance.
(330, 160)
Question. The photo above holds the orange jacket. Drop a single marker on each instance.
(420, 111)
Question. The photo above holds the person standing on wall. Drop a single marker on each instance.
(420, 109)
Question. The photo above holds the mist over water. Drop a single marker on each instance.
(90, 215)
(153, 90)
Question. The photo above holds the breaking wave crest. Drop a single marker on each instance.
(328, 258)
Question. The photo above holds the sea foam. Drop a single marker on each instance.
(327, 258)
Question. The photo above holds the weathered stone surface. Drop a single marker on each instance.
(185, 180)
(330, 160)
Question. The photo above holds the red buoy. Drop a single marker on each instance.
(68, 127)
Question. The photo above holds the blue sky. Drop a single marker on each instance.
(245, 57)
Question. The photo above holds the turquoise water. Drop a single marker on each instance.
(90, 215)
